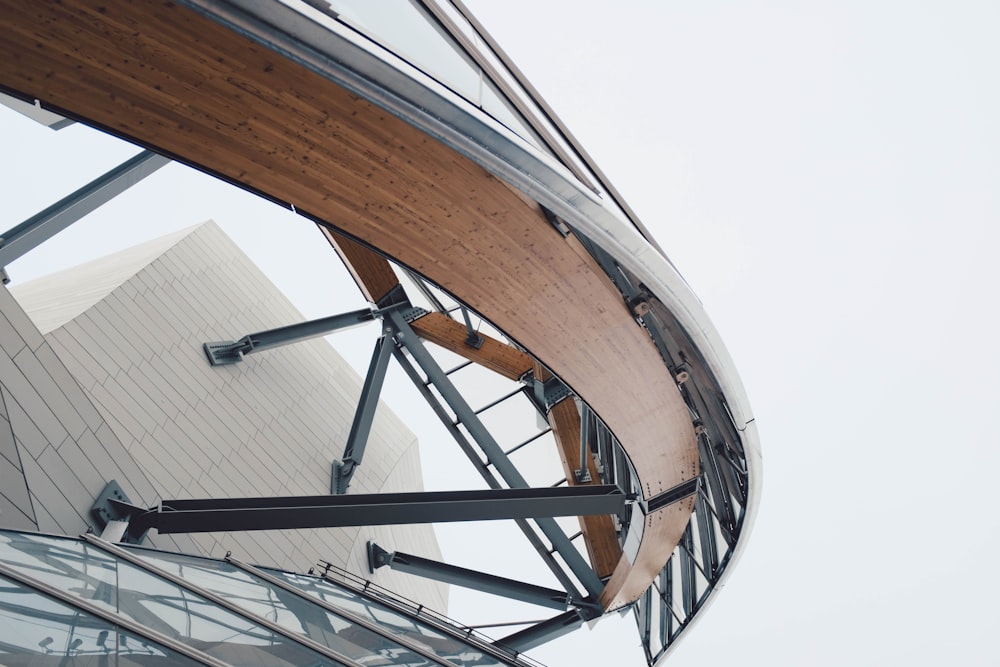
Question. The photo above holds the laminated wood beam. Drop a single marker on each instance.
(598, 530)
(372, 272)
(499, 357)
(229, 102)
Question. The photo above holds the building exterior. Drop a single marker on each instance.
(129, 330)
(473, 224)
(71, 601)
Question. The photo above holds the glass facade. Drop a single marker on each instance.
(450, 648)
(64, 601)
(38, 630)
(406, 29)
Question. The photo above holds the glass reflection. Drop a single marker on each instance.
(183, 615)
(439, 643)
(134, 651)
(406, 29)
(409, 32)
(338, 632)
(36, 631)
(68, 564)
(39, 630)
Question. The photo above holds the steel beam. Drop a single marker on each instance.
(672, 495)
(491, 480)
(361, 427)
(689, 591)
(644, 609)
(230, 514)
(706, 535)
(231, 352)
(494, 453)
(473, 339)
(473, 579)
(667, 601)
(546, 631)
(721, 500)
(42, 226)
(582, 473)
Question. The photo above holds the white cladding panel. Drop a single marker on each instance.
(176, 427)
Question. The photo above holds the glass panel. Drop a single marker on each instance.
(178, 613)
(134, 651)
(406, 29)
(285, 608)
(69, 564)
(500, 108)
(410, 33)
(504, 109)
(37, 630)
(441, 644)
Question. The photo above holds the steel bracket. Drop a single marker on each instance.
(479, 581)
(230, 352)
(672, 495)
(556, 222)
(112, 504)
(546, 394)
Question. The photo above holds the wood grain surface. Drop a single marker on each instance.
(174, 80)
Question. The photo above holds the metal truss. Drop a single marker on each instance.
(697, 563)
(378, 509)
(721, 491)
(42, 226)
(679, 591)
(696, 566)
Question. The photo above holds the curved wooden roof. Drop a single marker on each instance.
(184, 85)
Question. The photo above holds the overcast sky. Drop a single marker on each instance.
(825, 175)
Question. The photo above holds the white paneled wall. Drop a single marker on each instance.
(169, 425)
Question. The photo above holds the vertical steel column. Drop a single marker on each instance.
(361, 427)
(706, 535)
(494, 453)
(644, 611)
(721, 501)
(667, 600)
(42, 226)
(689, 592)
(473, 339)
(582, 474)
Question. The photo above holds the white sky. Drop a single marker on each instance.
(826, 177)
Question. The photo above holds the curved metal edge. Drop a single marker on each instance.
(461, 126)
(751, 444)
(458, 124)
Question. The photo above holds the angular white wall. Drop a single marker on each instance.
(119, 388)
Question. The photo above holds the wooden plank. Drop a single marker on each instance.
(372, 272)
(173, 79)
(499, 357)
(598, 530)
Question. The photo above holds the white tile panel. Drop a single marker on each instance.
(271, 425)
